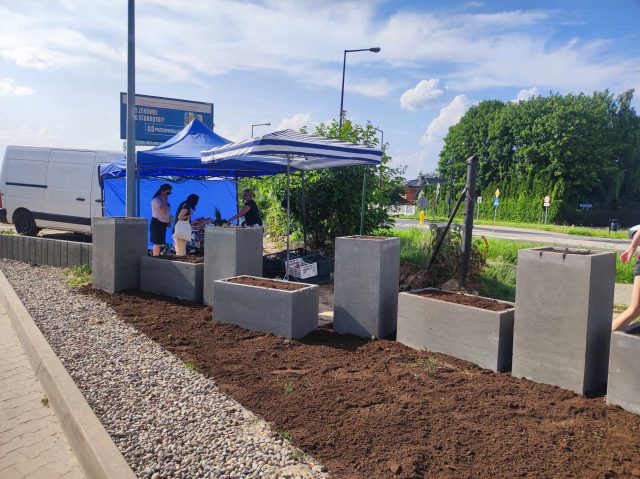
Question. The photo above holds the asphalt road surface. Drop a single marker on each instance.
(537, 236)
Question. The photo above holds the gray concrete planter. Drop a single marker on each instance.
(476, 335)
(118, 244)
(563, 318)
(229, 252)
(289, 314)
(172, 278)
(366, 285)
(624, 380)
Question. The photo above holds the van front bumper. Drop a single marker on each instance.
(3, 216)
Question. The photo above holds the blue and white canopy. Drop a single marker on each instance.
(270, 154)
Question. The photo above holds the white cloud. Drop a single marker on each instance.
(8, 87)
(424, 95)
(294, 122)
(524, 95)
(433, 139)
(473, 50)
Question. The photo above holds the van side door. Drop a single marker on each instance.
(69, 180)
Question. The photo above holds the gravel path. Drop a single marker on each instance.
(167, 420)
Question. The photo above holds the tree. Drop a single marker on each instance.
(574, 148)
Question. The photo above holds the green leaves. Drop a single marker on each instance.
(576, 148)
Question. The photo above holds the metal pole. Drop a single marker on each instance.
(251, 131)
(472, 165)
(131, 114)
(362, 204)
(344, 67)
(446, 229)
(288, 214)
(450, 189)
(304, 215)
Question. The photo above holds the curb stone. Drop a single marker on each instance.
(97, 454)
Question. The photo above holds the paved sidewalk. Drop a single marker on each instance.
(32, 444)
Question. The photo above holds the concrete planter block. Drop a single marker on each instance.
(563, 318)
(624, 381)
(289, 314)
(173, 278)
(230, 252)
(118, 244)
(476, 335)
(366, 285)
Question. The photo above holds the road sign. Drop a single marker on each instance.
(586, 206)
(496, 201)
(422, 203)
(498, 193)
(547, 201)
(158, 119)
(479, 199)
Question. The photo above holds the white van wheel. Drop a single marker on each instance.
(24, 223)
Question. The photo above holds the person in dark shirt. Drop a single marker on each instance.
(249, 210)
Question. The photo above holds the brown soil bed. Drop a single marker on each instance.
(267, 283)
(377, 409)
(567, 251)
(466, 299)
(183, 259)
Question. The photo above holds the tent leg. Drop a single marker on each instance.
(288, 215)
(137, 193)
(237, 201)
(304, 215)
(362, 205)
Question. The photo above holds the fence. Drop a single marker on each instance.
(44, 251)
(403, 210)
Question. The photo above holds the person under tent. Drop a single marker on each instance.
(182, 226)
(249, 210)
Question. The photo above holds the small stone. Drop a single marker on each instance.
(395, 468)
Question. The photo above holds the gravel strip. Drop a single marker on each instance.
(167, 420)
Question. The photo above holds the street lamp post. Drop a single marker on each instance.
(344, 68)
(258, 124)
(341, 115)
(130, 186)
(381, 136)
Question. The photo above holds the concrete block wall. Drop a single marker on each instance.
(44, 251)
(366, 285)
(562, 324)
(230, 252)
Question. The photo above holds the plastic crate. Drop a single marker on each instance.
(326, 265)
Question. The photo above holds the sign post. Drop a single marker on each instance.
(129, 121)
(547, 203)
(496, 202)
(479, 201)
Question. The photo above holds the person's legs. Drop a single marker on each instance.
(181, 246)
(156, 250)
(633, 311)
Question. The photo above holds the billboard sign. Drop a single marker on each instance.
(158, 119)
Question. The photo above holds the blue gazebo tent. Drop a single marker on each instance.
(177, 162)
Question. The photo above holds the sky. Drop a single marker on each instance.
(63, 63)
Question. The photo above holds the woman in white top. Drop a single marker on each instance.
(161, 217)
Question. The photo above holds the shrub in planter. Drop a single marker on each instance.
(624, 381)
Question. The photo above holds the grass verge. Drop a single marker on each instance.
(78, 276)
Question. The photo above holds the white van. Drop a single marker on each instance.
(51, 188)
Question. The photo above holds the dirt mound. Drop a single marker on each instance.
(414, 277)
(377, 409)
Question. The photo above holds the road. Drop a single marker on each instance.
(538, 236)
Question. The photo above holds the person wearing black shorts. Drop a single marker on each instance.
(633, 311)
(161, 218)
(249, 210)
